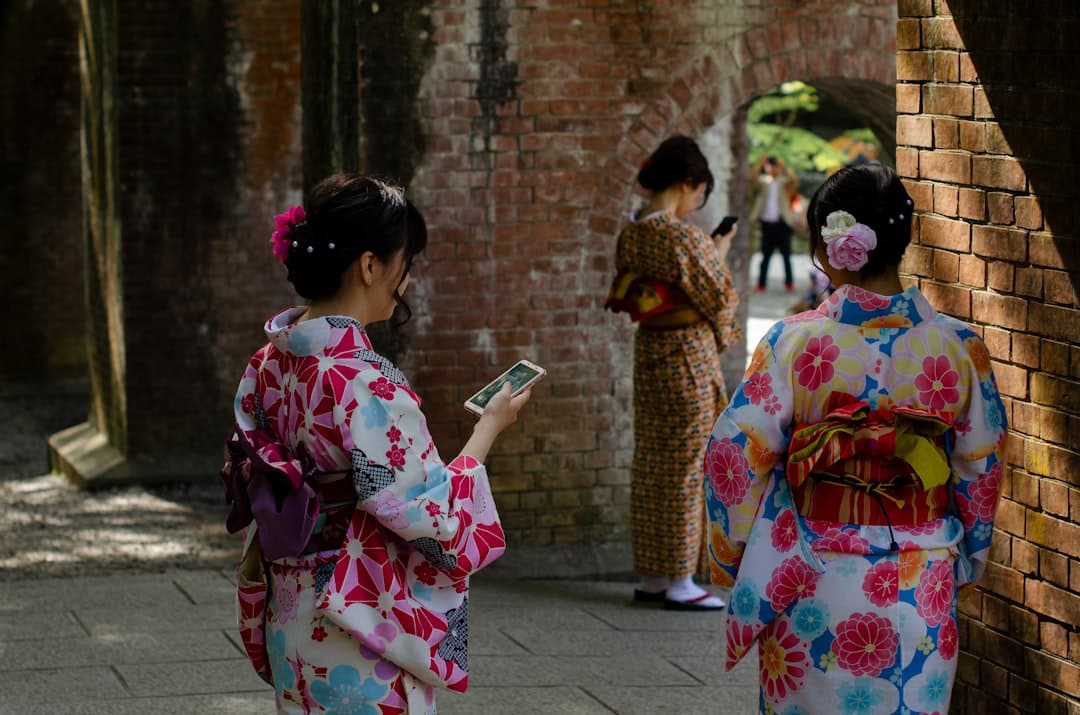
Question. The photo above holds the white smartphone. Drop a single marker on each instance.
(522, 375)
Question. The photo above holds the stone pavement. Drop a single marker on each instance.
(165, 644)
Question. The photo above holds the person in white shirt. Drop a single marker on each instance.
(774, 184)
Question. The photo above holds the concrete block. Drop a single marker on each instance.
(634, 668)
(520, 701)
(29, 626)
(44, 687)
(222, 676)
(115, 650)
(685, 701)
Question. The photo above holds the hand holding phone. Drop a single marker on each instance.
(520, 377)
(725, 226)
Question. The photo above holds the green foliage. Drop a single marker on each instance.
(771, 119)
(784, 103)
(803, 151)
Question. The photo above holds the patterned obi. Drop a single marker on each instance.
(863, 466)
(643, 298)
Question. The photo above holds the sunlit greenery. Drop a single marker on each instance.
(773, 131)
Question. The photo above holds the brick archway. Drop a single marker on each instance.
(852, 59)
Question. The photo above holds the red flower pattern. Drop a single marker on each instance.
(815, 363)
(937, 383)
(382, 388)
(935, 593)
(866, 299)
(983, 496)
(425, 573)
(726, 468)
(882, 583)
(947, 639)
(759, 387)
(394, 435)
(248, 404)
(840, 541)
(785, 661)
(792, 580)
(319, 634)
(865, 644)
(396, 457)
(739, 639)
(784, 531)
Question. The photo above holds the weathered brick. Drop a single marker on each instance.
(1055, 534)
(972, 136)
(908, 98)
(914, 67)
(1025, 351)
(1029, 282)
(915, 131)
(972, 203)
(998, 172)
(1000, 277)
(955, 100)
(1028, 213)
(945, 233)
(995, 242)
(940, 32)
(946, 200)
(908, 35)
(946, 266)
(953, 167)
(1061, 288)
(1003, 310)
(1001, 207)
(972, 271)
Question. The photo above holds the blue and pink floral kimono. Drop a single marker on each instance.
(851, 487)
(373, 615)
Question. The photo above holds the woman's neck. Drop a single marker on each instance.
(666, 201)
(349, 306)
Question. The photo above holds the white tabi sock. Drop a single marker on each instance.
(685, 590)
(654, 584)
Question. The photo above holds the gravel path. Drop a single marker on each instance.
(49, 528)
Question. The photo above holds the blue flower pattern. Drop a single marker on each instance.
(346, 694)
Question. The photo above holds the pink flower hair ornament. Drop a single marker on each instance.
(847, 242)
(284, 224)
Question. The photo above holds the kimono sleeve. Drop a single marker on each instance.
(445, 510)
(746, 444)
(706, 280)
(976, 462)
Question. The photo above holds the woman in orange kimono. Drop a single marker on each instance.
(673, 282)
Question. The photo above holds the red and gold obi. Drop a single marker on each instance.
(644, 298)
(863, 466)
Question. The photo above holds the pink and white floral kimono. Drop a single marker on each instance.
(851, 487)
(374, 615)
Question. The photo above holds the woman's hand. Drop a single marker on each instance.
(501, 412)
(723, 243)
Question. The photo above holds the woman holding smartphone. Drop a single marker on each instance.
(353, 585)
(673, 282)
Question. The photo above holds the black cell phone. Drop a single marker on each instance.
(725, 226)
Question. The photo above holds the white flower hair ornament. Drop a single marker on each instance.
(847, 242)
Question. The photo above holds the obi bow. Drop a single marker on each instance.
(850, 430)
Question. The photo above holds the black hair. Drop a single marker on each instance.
(677, 160)
(346, 216)
(876, 197)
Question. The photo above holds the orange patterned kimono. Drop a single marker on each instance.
(678, 387)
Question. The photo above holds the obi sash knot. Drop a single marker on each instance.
(863, 466)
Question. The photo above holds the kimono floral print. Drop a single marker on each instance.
(853, 616)
(372, 627)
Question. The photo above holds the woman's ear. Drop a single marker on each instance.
(366, 264)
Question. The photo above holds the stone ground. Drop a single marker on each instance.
(121, 601)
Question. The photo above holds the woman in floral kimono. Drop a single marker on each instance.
(673, 282)
(852, 482)
(353, 587)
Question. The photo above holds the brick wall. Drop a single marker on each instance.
(987, 105)
(41, 253)
(538, 116)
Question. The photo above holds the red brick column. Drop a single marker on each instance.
(986, 103)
